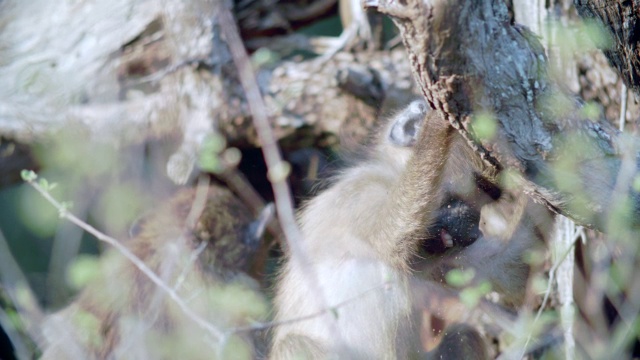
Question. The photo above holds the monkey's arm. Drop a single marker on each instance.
(413, 203)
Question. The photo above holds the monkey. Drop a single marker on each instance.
(362, 236)
(123, 314)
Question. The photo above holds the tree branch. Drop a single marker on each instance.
(472, 64)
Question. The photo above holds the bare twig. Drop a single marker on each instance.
(565, 238)
(577, 234)
(199, 203)
(278, 170)
(272, 324)
(624, 94)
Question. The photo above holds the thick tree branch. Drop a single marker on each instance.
(166, 72)
(469, 60)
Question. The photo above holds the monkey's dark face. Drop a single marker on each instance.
(457, 225)
(457, 222)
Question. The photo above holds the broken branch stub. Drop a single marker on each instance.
(482, 72)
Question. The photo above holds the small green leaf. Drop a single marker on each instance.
(213, 143)
(28, 175)
(471, 296)
(264, 57)
(88, 326)
(209, 155)
(82, 271)
(460, 278)
(484, 125)
(591, 111)
(65, 206)
(44, 184)
(210, 163)
(14, 318)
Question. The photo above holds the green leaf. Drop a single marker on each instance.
(28, 175)
(82, 271)
(44, 184)
(591, 111)
(484, 125)
(460, 278)
(471, 296)
(264, 57)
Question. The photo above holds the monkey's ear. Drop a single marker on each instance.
(406, 125)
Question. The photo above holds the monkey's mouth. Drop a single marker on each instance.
(446, 239)
(443, 240)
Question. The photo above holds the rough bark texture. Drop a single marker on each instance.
(620, 20)
(469, 59)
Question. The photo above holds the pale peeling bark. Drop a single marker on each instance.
(468, 58)
(128, 71)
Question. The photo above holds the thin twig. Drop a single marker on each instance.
(623, 105)
(198, 205)
(552, 276)
(65, 214)
(278, 170)
(272, 324)
(192, 260)
(564, 275)
(199, 201)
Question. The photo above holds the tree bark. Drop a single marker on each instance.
(469, 60)
(619, 19)
(165, 71)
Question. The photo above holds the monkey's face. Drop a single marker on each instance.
(457, 225)
(457, 222)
